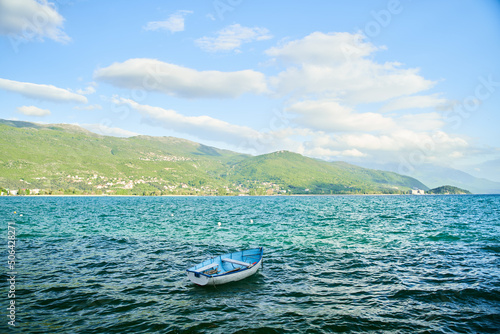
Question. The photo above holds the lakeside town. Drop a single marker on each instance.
(142, 186)
(145, 186)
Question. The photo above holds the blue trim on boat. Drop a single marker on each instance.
(230, 256)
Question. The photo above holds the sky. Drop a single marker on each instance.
(396, 82)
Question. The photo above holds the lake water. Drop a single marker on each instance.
(395, 264)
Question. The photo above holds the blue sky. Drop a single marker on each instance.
(401, 82)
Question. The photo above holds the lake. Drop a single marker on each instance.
(395, 264)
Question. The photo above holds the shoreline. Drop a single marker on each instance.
(270, 196)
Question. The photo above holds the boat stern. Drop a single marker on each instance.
(198, 278)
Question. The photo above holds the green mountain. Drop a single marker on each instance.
(301, 175)
(66, 159)
(448, 190)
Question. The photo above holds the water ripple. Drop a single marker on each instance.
(398, 264)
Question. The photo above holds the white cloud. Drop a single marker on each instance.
(174, 23)
(338, 65)
(421, 122)
(327, 79)
(40, 91)
(394, 143)
(203, 127)
(414, 102)
(33, 111)
(329, 115)
(90, 89)
(105, 130)
(175, 80)
(31, 20)
(456, 155)
(232, 37)
(390, 144)
(323, 49)
(89, 107)
(328, 154)
(329, 75)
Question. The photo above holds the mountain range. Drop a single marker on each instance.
(434, 176)
(67, 159)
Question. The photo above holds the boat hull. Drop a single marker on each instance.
(235, 272)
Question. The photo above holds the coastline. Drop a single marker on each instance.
(270, 196)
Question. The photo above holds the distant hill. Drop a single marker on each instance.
(435, 176)
(305, 175)
(61, 157)
(448, 190)
(66, 159)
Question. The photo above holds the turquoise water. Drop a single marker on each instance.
(395, 264)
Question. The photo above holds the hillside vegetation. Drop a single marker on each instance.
(66, 159)
(299, 174)
(448, 190)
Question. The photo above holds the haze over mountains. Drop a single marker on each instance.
(434, 176)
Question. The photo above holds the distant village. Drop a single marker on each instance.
(148, 186)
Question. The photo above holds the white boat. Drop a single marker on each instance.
(227, 267)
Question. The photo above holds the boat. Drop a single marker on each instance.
(227, 268)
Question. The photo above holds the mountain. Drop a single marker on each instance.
(435, 176)
(299, 173)
(489, 170)
(448, 190)
(66, 159)
(60, 157)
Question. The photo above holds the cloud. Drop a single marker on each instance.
(204, 127)
(414, 102)
(397, 142)
(332, 88)
(89, 107)
(323, 49)
(108, 130)
(329, 153)
(90, 89)
(31, 20)
(175, 80)
(422, 122)
(337, 65)
(391, 144)
(43, 92)
(232, 37)
(33, 111)
(329, 115)
(174, 23)
(330, 77)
